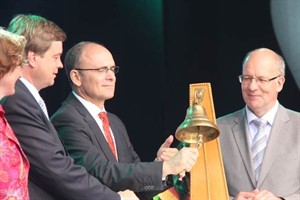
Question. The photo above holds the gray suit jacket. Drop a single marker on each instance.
(280, 172)
(53, 174)
(85, 142)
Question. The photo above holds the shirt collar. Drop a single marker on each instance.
(31, 88)
(269, 116)
(92, 108)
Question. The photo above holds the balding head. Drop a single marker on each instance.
(265, 55)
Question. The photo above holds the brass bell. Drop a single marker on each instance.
(197, 128)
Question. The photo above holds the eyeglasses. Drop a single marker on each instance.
(114, 69)
(246, 80)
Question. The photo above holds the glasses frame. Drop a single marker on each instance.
(260, 81)
(114, 69)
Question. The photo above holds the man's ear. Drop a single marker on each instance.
(280, 82)
(75, 77)
(32, 58)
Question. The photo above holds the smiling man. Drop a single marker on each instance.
(98, 139)
(260, 143)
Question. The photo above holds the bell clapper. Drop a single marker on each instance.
(200, 140)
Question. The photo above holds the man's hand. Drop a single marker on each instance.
(128, 195)
(165, 152)
(264, 194)
(244, 196)
(256, 195)
(183, 161)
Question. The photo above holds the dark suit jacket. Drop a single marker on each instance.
(53, 174)
(86, 144)
(280, 172)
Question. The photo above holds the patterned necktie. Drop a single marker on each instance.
(43, 106)
(105, 124)
(258, 145)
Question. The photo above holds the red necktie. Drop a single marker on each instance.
(105, 124)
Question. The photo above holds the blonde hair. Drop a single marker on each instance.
(38, 31)
(11, 51)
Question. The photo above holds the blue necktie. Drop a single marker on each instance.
(258, 146)
(43, 106)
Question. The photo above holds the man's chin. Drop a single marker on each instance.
(109, 97)
(51, 83)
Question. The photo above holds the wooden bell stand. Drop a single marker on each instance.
(207, 178)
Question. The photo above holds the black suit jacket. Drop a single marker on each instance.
(52, 172)
(85, 142)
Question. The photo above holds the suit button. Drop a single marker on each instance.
(148, 188)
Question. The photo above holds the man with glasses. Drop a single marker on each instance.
(53, 174)
(98, 139)
(261, 142)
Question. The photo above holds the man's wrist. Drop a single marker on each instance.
(165, 170)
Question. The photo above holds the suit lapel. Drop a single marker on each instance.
(94, 128)
(26, 94)
(240, 134)
(276, 138)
